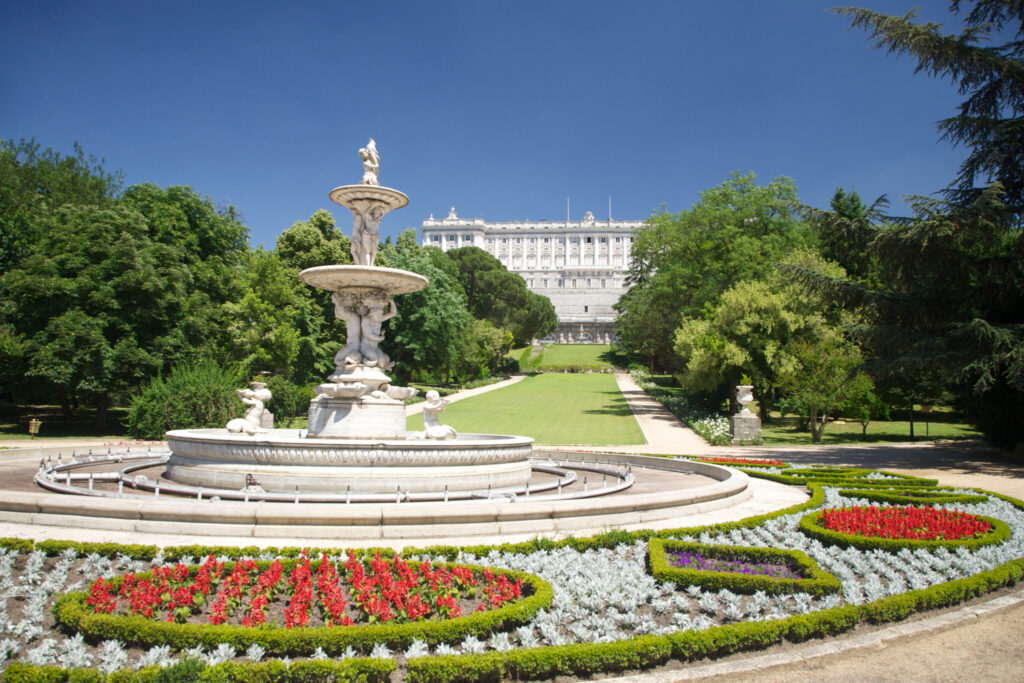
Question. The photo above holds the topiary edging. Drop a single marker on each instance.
(72, 611)
(364, 670)
(645, 652)
(810, 526)
(912, 497)
(816, 581)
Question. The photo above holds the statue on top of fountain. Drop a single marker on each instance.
(363, 316)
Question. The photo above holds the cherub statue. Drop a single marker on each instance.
(432, 427)
(255, 398)
(371, 163)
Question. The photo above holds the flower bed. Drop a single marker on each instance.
(892, 528)
(295, 606)
(738, 569)
(247, 592)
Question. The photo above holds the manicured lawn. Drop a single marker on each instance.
(553, 408)
(782, 432)
(583, 355)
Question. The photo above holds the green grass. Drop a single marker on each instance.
(554, 409)
(782, 432)
(579, 355)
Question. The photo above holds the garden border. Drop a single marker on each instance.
(809, 527)
(71, 611)
(816, 582)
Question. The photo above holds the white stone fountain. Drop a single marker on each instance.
(356, 439)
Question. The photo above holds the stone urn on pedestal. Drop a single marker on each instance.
(744, 425)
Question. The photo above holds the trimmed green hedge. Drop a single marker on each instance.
(809, 525)
(589, 659)
(816, 581)
(844, 481)
(308, 671)
(72, 611)
(912, 497)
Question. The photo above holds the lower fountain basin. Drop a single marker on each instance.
(281, 460)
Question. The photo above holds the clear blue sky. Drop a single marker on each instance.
(502, 109)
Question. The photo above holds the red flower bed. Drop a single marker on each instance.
(381, 590)
(742, 461)
(912, 523)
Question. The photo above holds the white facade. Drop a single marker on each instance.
(580, 265)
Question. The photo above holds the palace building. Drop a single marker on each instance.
(580, 265)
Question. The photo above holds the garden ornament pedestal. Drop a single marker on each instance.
(744, 425)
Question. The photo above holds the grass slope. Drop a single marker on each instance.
(588, 355)
(554, 409)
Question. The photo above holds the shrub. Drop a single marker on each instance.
(289, 400)
(201, 395)
(815, 580)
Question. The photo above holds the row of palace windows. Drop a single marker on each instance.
(560, 240)
(572, 283)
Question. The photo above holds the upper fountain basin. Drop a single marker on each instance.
(391, 280)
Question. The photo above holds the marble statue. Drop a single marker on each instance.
(375, 309)
(346, 307)
(255, 398)
(366, 217)
(371, 163)
(432, 427)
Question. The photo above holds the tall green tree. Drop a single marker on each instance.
(984, 59)
(500, 297)
(35, 182)
(682, 262)
(97, 302)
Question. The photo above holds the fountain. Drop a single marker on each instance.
(356, 440)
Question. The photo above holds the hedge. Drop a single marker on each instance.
(190, 669)
(71, 611)
(644, 652)
(816, 581)
(912, 497)
(810, 526)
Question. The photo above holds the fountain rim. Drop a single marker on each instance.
(335, 277)
(293, 438)
(345, 195)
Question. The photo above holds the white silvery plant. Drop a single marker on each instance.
(319, 653)
(349, 653)
(73, 653)
(223, 653)
(255, 652)
(380, 651)
(417, 648)
(501, 642)
(472, 645)
(44, 654)
(445, 649)
(526, 637)
(112, 656)
(156, 655)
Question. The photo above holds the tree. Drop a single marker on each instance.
(500, 297)
(97, 302)
(682, 262)
(424, 337)
(750, 332)
(823, 378)
(34, 183)
(990, 121)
